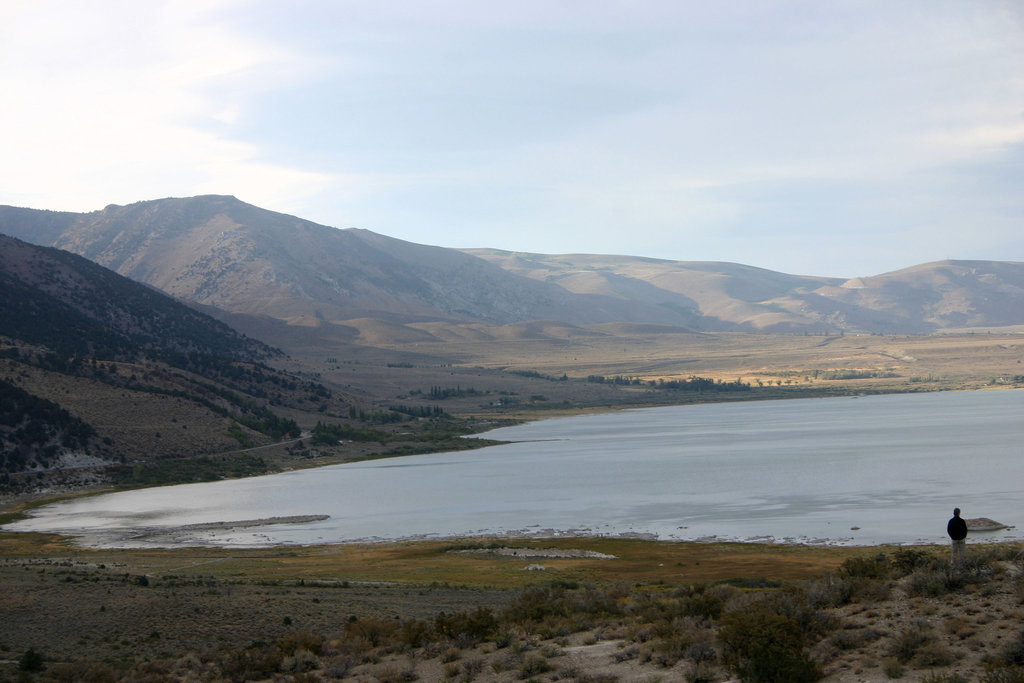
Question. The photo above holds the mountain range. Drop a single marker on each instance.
(246, 262)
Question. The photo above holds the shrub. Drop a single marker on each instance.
(413, 633)
(467, 629)
(797, 605)
(997, 673)
(533, 665)
(700, 672)
(1012, 654)
(701, 601)
(934, 653)
(847, 589)
(626, 654)
(376, 631)
(472, 668)
(290, 643)
(252, 663)
(875, 567)
(936, 677)
(560, 604)
(892, 668)
(854, 638)
(762, 646)
(685, 638)
(301, 660)
(31, 661)
(82, 672)
(390, 674)
(906, 644)
(907, 560)
(934, 582)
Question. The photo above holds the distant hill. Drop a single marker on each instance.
(728, 296)
(354, 284)
(221, 252)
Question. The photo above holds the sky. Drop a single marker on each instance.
(841, 138)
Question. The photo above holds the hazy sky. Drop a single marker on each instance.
(818, 137)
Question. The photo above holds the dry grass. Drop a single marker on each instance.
(920, 363)
(430, 562)
(368, 612)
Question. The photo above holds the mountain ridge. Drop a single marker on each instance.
(220, 252)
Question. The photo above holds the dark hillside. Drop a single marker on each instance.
(33, 432)
(73, 306)
(97, 369)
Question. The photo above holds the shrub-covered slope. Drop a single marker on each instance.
(96, 368)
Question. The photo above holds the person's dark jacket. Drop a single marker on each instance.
(957, 528)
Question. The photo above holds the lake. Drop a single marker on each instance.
(851, 471)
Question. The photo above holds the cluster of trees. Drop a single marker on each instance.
(440, 393)
(702, 384)
(618, 379)
(533, 374)
(699, 384)
(33, 429)
(330, 434)
(419, 411)
(852, 374)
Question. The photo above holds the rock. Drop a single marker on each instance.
(985, 524)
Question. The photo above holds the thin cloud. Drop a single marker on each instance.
(135, 103)
(740, 131)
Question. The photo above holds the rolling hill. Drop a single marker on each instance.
(263, 269)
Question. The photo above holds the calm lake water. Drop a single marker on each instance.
(867, 470)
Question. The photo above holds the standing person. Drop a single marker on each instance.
(957, 530)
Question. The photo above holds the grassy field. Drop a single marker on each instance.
(460, 611)
(527, 373)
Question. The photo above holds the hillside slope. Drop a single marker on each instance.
(220, 252)
(72, 306)
(98, 370)
(722, 296)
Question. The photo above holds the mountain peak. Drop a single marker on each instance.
(217, 250)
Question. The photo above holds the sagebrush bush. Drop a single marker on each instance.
(906, 560)
(1001, 673)
(934, 583)
(533, 665)
(560, 604)
(467, 629)
(763, 646)
(892, 667)
(301, 640)
(1012, 653)
(906, 644)
(937, 677)
(854, 639)
(77, 672)
(376, 632)
(704, 601)
(301, 660)
(875, 567)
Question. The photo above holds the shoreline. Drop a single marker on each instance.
(202, 534)
(210, 536)
(12, 505)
